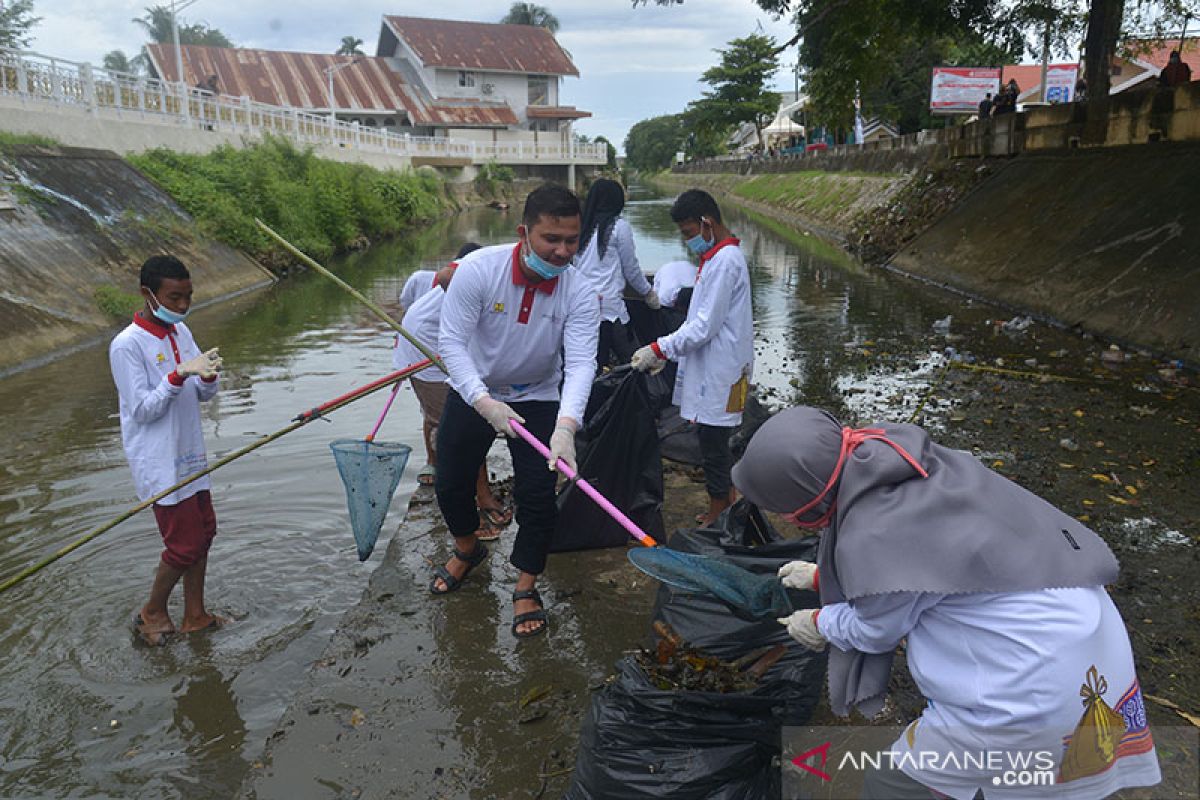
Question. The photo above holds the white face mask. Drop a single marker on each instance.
(164, 314)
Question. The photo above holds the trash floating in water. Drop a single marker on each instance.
(943, 325)
(1017, 325)
(1148, 534)
(676, 666)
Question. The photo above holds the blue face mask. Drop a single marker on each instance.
(166, 315)
(699, 245)
(541, 266)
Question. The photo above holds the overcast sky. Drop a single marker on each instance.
(634, 63)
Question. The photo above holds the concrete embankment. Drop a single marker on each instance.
(1101, 240)
(75, 226)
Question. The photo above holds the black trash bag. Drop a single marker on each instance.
(619, 456)
(647, 324)
(680, 438)
(639, 741)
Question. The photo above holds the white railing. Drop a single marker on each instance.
(45, 79)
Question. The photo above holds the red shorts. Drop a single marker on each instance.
(187, 529)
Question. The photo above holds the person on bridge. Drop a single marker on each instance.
(162, 377)
(714, 346)
(1175, 73)
(607, 258)
(1011, 637)
(518, 337)
(422, 320)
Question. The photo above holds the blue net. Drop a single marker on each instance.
(759, 596)
(370, 471)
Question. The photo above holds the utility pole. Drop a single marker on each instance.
(329, 71)
(176, 7)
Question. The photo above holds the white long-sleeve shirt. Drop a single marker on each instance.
(503, 336)
(422, 320)
(1003, 672)
(672, 278)
(420, 282)
(160, 413)
(610, 273)
(715, 345)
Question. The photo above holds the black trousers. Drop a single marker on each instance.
(463, 441)
(718, 459)
(616, 340)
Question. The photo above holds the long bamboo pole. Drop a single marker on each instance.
(300, 421)
(355, 293)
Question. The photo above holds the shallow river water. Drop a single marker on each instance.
(88, 712)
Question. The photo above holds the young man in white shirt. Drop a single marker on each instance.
(422, 321)
(714, 346)
(162, 377)
(517, 324)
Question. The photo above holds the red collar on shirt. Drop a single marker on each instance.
(155, 327)
(716, 248)
(519, 279)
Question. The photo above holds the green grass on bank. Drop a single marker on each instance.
(9, 140)
(320, 206)
(818, 193)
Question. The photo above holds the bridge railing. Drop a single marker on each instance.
(49, 80)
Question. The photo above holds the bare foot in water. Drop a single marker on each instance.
(203, 623)
(154, 629)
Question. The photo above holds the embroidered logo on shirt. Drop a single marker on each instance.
(160, 358)
(498, 308)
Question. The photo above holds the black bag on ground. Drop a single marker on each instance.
(619, 456)
(639, 741)
(679, 439)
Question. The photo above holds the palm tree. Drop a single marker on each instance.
(531, 14)
(157, 24)
(117, 61)
(350, 46)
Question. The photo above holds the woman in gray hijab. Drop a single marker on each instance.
(999, 596)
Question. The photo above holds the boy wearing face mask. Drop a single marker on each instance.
(162, 377)
(516, 324)
(714, 346)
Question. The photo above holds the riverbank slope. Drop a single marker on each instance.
(75, 226)
(1103, 241)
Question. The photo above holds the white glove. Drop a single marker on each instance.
(206, 365)
(497, 414)
(802, 626)
(652, 301)
(799, 575)
(562, 445)
(646, 360)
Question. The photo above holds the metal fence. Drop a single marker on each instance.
(47, 80)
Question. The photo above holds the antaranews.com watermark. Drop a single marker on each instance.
(832, 763)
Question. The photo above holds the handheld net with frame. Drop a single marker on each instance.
(759, 596)
(371, 472)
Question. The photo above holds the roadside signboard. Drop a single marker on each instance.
(959, 90)
(1060, 83)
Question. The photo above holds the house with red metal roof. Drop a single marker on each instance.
(1138, 68)
(429, 77)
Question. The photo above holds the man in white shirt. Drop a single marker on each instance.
(422, 321)
(517, 324)
(423, 281)
(714, 346)
(162, 377)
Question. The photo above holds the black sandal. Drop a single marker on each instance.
(530, 616)
(472, 559)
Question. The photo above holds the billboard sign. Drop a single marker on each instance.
(1060, 83)
(959, 90)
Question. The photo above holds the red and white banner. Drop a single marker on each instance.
(959, 90)
(1060, 83)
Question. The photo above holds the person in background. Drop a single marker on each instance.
(424, 280)
(422, 321)
(608, 260)
(1175, 73)
(672, 278)
(998, 596)
(985, 106)
(162, 377)
(518, 337)
(714, 346)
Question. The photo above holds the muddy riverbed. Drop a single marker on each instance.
(341, 679)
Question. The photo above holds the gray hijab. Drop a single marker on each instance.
(963, 529)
